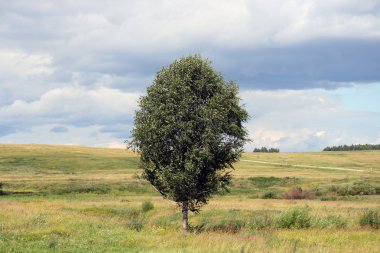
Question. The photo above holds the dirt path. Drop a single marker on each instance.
(303, 166)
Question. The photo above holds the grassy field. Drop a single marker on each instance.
(82, 199)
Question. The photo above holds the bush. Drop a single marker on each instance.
(269, 195)
(147, 206)
(77, 188)
(299, 193)
(297, 217)
(135, 219)
(229, 221)
(318, 191)
(135, 224)
(265, 182)
(261, 222)
(226, 225)
(327, 198)
(370, 218)
(1, 188)
(357, 188)
(330, 221)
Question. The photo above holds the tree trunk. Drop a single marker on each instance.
(185, 221)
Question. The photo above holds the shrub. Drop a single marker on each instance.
(76, 188)
(370, 218)
(299, 193)
(297, 217)
(269, 195)
(330, 221)
(332, 198)
(318, 191)
(147, 206)
(1, 188)
(226, 225)
(135, 224)
(231, 221)
(357, 188)
(135, 220)
(261, 222)
(265, 182)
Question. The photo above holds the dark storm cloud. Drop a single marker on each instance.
(325, 64)
(256, 44)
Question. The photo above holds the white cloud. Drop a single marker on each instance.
(23, 64)
(22, 75)
(320, 133)
(304, 120)
(75, 105)
(151, 25)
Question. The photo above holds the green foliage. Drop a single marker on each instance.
(269, 195)
(297, 217)
(328, 198)
(231, 221)
(80, 188)
(135, 224)
(266, 150)
(188, 131)
(265, 182)
(370, 218)
(147, 206)
(1, 188)
(331, 221)
(261, 222)
(319, 191)
(361, 187)
(354, 147)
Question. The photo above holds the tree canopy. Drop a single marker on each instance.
(189, 132)
(266, 150)
(353, 147)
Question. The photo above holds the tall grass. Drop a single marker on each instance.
(78, 199)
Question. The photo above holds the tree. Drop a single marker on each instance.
(188, 131)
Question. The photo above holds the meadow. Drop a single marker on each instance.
(86, 199)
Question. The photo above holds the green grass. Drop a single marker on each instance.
(82, 199)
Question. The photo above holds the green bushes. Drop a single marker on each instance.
(225, 225)
(75, 188)
(331, 221)
(261, 222)
(297, 217)
(231, 221)
(265, 182)
(356, 188)
(1, 188)
(147, 206)
(269, 195)
(370, 218)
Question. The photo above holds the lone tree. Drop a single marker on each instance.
(188, 131)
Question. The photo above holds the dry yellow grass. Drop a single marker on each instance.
(99, 220)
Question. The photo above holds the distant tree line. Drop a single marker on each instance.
(267, 150)
(353, 147)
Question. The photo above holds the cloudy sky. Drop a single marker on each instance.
(309, 71)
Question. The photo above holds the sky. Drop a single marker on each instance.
(71, 72)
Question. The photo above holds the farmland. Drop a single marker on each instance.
(85, 199)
